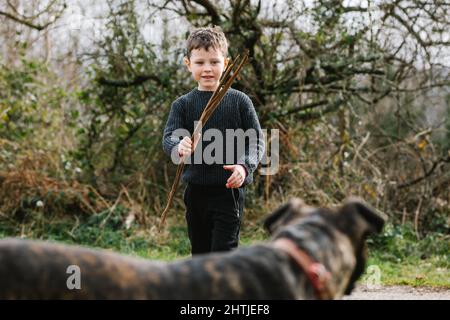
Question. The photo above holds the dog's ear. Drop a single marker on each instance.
(372, 221)
(294, 208)
(358, 220)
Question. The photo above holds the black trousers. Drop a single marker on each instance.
(214, 216)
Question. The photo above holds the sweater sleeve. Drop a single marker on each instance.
(255, 147)
(175, 121)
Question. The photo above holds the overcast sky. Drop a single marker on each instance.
(83, 22)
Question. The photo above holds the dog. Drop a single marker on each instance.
(314, 253)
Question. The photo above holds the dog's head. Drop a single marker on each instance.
(355, 219)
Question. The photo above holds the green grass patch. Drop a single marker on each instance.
(404, 258)
(433, 271)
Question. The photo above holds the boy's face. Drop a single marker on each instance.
(206, 67)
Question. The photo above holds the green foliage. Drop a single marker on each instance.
(32, 115)
(18, 100)
(400, 243)
(122, 134)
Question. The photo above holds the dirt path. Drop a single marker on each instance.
(399, 293)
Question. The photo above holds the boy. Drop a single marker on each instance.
(214, 195)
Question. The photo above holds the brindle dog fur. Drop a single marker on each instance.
(333, 237)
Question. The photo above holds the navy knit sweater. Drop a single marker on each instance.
(235, 111)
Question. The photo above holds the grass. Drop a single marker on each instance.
(405, 260)
(399, 257)
(433, 271)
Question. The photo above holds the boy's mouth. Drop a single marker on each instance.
(208, 77)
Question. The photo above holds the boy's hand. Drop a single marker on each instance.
(186, 147)
(237, 177)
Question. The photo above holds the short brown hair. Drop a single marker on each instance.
(206, 38)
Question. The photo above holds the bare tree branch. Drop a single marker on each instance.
(210, 9)
(129, 83)
(29, 20)
(27, 23)
(427, 174)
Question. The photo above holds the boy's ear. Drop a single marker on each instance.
(187, 62)
(226, 62)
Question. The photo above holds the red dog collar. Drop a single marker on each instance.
(316, 272)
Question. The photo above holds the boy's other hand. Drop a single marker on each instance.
(186, 147)
(237, 177)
